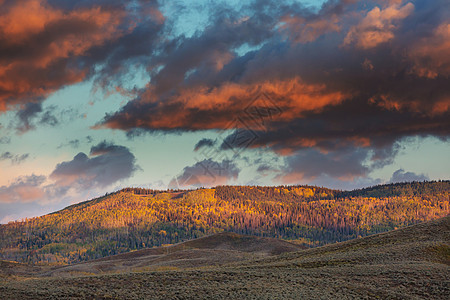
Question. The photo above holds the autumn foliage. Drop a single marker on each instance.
(135, 218)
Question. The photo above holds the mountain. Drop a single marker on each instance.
(409, 263)
(135, 218)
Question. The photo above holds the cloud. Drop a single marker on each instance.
(430, 55)
(335, 183)
(32, 115)
(106, 164)
(46, 45)
(305, 29)
(26, 114)
(24, 189)
(204, 143)
(344, 164)
(378, 26)
(5, 140)
(206, 173)
(401, 176)
(340, 77)
(15, 159)
(49, 118)
(194, 110)
(82, 178)
(72, 144)
(76, 143)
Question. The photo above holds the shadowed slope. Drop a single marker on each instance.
(428, 241)
(409, 263)
(212, 250)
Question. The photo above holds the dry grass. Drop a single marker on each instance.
(409, 263)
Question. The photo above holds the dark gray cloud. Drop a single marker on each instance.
(76, 143)
(204, 143)
(345, 164)
(265, 169)
(48, 117)
(106, 164)
(401, 176)
(26, 115)
(33, 115)
(339, 161)
(205, 173)
(14, 158)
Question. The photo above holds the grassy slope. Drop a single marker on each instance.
(213, 250)
(409, 263)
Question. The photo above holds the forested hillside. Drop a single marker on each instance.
(137, 218)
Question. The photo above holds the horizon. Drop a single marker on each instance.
(98, 96)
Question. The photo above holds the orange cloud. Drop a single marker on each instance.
(389, 102)
(303, 30)
(378, 26)
(431, 54)
(37, 40)
(213, 108)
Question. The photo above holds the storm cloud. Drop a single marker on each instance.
(360, 75)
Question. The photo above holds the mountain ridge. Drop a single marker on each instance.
(134, 218)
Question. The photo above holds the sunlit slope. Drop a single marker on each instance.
(136, 218)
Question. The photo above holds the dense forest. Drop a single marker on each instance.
(135, 218)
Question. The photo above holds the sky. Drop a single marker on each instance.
(103, 94)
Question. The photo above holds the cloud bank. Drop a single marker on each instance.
(357, 76)
(107, 164)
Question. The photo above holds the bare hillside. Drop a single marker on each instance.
(213, 250)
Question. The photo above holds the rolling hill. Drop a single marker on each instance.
(213, 250)
(134, 218)
(409, 263)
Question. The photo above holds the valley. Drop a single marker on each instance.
(408, 263)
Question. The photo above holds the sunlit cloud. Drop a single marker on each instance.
(45, 45)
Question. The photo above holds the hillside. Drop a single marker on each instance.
(133, 219)
(408, 263)
(214, 250)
